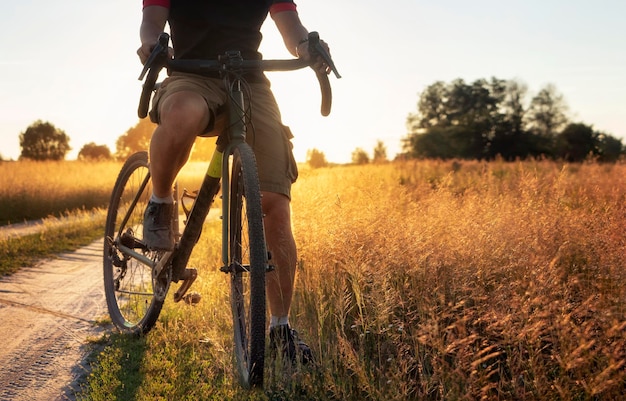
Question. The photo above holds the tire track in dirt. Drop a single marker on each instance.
(47, 314)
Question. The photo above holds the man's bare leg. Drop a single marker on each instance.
(184, 115)
(281, 244)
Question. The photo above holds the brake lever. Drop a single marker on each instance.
(160, 51)
(316, 48)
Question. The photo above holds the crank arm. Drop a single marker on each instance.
(162, 263)
(188, 277)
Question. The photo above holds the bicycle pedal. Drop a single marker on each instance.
(192, 298)
(188, 277)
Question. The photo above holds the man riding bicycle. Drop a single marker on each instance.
(187, 105)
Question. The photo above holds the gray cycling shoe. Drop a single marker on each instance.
(157, 226)
(285, 339)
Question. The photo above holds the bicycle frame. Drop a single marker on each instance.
(217, 171)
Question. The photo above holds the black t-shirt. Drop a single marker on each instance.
(207, 29)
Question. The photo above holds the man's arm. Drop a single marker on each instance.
(295, 36)
(152, 25)
(293, 32)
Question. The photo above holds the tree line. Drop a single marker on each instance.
(315, 158)
(43, 141)
(486, 119)
(481, 120)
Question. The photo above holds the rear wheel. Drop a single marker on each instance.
(133, 299)
(248, 264)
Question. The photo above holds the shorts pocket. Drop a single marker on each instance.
(292, 166)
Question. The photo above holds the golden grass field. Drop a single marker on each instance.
(420, 281)
(469, 280)
(32, 190)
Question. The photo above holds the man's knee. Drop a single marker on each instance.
(184, 111)
(276, 207)
(279, 235)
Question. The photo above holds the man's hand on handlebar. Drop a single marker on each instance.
(317, 52)
(146, 49)
(318, 63)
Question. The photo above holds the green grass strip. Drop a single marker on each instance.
(118, 374)
(27, 250)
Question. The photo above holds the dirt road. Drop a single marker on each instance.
(47, 314)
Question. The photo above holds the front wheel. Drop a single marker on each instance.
(133, 299)
(247, 265)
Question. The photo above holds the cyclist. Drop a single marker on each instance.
(186, 106)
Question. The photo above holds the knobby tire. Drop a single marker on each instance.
(247, 249)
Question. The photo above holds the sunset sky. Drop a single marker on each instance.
(73, 63)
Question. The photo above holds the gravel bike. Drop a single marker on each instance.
(137, 279)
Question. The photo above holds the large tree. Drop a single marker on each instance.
(466, 113)
(510, 139)
(546, 115)
(43, 141)
(431, 108)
